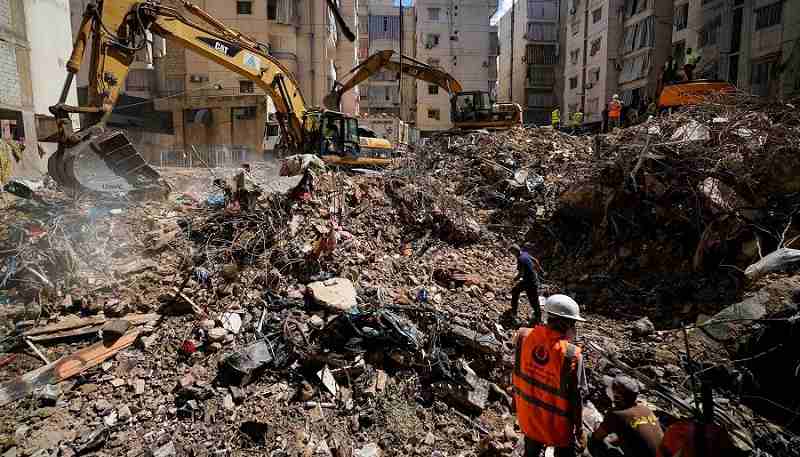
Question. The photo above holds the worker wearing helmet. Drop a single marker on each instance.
(549, 381)
(615, 111)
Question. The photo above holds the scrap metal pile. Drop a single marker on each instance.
(366, 320)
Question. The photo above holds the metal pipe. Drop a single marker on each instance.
(65, 90)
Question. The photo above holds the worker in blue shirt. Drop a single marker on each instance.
(527, 268)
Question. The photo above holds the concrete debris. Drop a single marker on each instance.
(642, 327)
(232, 322)
(336, 294)
(370, 450)
(217, 334)
(372, 315)
(114, 329)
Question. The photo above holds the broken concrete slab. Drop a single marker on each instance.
(642, 327)
(115, 329)
(241, 368)
(370, 450)
(483, 343)
(336, 294)
(753, 307)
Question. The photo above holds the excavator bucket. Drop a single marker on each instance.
(108, 164)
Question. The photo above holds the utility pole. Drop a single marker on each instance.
(511, 76)
(400, 76)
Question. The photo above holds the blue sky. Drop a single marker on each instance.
(405, 3)
(504, 5)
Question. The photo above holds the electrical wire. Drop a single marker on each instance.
(151, 100)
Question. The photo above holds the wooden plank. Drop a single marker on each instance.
(74, 333)
(134, 319)
(63, 368)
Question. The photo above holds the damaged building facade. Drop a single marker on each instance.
(35, 40)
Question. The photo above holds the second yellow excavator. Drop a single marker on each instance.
(116, 30)
(469, 109)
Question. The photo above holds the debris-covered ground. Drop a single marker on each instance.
(368, 320)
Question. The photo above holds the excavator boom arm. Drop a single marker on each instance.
(117, 29)
(383, 60)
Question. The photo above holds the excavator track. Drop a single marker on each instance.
(106, 163)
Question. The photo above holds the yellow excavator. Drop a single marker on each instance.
(117, 30)
(469, 109)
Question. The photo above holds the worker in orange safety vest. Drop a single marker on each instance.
(549, 381)
(615, 112)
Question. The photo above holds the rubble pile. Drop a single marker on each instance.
(364, 321)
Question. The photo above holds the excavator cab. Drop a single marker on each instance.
(331, 133)
(334, 136)
(475, 110)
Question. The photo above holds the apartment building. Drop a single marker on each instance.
(379, 29)
(35, 43)
(593, 33)
(530, 61)
(454, 35)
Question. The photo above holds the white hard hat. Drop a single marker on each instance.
(563, 306)
(616, 96)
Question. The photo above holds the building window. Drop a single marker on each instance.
(173, 86)
(634, 7)
(431, 40)
(433, 14)
(682, 16)
(594, 75)
(246, 87)
(540, 99)
(679, 53)
(244, 7)
(541, 54)
(769, 15)
(596, 44)
(433, 89)
(573, 82)
(542, 31)
(760, 78)
(541, 76)
(709, 33)
(574, 55)
(538, 9)
(243, 113)
(639, 35)
(272, 10)
(434, 114)
(597, 15)
(635, 68)
(384, 27)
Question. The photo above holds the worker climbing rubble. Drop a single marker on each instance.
(549, 381)
(528, 270)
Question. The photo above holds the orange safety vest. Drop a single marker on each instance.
(545, 364)
(614, 109)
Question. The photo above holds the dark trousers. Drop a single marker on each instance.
(534, 449)
(531, 289)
